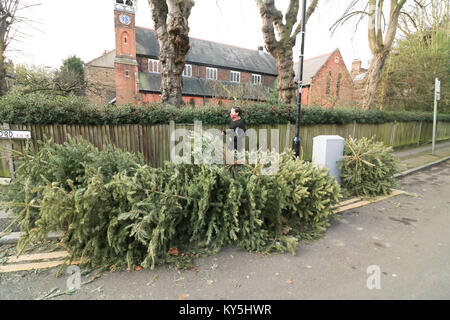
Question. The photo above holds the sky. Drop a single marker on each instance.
(61, 28)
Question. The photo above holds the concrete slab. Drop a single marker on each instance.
(13, 237)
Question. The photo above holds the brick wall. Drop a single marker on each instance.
(318, 90)
(125, 85)
(188, 100)
(199, 71)
(102, 87)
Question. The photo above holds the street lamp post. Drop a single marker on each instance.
(296, 143)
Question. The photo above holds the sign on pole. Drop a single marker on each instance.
(437, 96)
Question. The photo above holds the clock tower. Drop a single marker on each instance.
(125, 64)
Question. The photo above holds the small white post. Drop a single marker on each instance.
(437, 91)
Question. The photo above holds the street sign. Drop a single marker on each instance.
(437, 97)
(14, 134)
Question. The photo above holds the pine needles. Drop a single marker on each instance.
(115, 211)
(368, 167)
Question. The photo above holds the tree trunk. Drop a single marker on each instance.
(172, 32)
(373, 78)
(281, 49)
(3, 87)
(3, 42)
(380, 49)
(286, 87)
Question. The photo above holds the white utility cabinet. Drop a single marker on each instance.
(327, 151)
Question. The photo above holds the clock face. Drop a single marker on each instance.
(124, 19)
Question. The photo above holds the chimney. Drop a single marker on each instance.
(356, 68)
(260, 49)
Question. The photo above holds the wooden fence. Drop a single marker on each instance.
(153, 141)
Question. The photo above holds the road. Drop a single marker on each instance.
(406, 236)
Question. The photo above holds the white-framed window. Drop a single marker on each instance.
(127, 73)
(211, 73)
(336, 59)
(187, 71)
(235, 76)
(153, 65)
(256, 79)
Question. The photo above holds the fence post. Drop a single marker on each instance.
(420, 132)
(393, 133)
(288, 136)
(9, 148)
(354, 129)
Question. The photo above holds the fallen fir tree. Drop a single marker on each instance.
(118, 212)
(368, 167)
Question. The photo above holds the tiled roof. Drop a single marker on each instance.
(151, 82)
(211, 53)
(311, 67)
(106, 60)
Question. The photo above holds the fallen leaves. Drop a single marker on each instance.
(151, 283)
(173, 251)
(183, 296)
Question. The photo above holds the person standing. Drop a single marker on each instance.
(237, 127)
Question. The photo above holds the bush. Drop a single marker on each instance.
(38, 108)
(119, 212)
(368, 167)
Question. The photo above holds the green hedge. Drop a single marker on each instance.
(43, 109)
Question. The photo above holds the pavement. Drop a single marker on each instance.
(419, 156)
(399, 247)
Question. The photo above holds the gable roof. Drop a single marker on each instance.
(211, 53)
(312, 66)
(106, 60)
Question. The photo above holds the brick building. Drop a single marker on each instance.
(214, 72)
(358, 75)
(326, 80)
(100, 75)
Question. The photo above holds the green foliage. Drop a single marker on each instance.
(410, 72)
(116, 211)
(41, 108)
(68, 165)
(368, 167)
(64, 82)
(75, 65)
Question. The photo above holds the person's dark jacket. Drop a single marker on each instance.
(239, 129)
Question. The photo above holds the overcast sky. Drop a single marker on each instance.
(61, 28)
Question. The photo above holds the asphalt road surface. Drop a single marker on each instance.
(406, 238)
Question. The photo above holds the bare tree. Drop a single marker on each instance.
(172, 31)
(379, 47)
(8, 9)
(281, 48)
(423, 16)
(9, 19)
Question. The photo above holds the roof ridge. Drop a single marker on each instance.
(320, 56)
(225, 44)
(104, 54)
